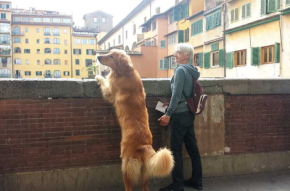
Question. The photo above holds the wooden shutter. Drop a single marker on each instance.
(200, 62)
(255, 56)
(80, 51)
(230, 60)
(200, 26)
(186, 10)
(236, 14)
(248, 8)
(219, 18)
(271, 6)
(207, 60)
(180, 36)
(207, 23)
(243, 11)
(221, 57)
(74, 51)
(277, 52)
(176, 13)
(263, 7)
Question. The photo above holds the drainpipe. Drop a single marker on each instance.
(281, 39)
(71, 55)
(224, 38)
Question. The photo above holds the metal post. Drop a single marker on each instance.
(224, 38)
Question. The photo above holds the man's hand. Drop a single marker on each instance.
(165, 104)
(164, 120)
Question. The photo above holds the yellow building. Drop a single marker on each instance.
(83, 53)
(41, 44)
(5, 40)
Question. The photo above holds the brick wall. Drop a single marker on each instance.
(257, 123)
(43, 134)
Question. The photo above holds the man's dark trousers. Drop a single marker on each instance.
(183, 131)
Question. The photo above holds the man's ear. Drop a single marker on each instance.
(123, 65)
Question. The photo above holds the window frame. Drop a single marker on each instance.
(236, 53)
(212, 59)
(268, 55)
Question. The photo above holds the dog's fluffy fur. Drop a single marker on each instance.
(124, 89)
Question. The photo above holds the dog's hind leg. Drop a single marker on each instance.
(144, 179)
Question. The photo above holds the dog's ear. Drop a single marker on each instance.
(123, 64)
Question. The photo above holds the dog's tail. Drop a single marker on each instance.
(159, 164)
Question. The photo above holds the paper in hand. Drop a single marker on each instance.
(160, 108)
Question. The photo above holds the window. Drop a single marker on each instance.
(18, 74)
(47, 41)
(163, 44)
(17, 40)
(119, 39)
(163, 64)
(3, 15)
(26, 19)
(77, 51)
(197, 27)
(37, 30)
(38, 62)
(17, 61)
(37, 20)
(92, 41)
(56, 32)
(172, 62)
(26, 29)
(171, 19)
(171, 39)
(47, 74)
(134, 29)
(89, 62)
(77, 41)
(47, 51)
(213, 20)
(56, 51)
(270, 6)
(65, 42)
(77, 72)
(66, 20)
(235, 15)
(77, 61)
(26, 41)
(27, 73)
(65, 51)
(56, 62)
(27, 62)
(240, 58)
(38, 51)
(196, 59)
(56, 20)
(95, 20)
(47, 62)
(154, 25)
(38, 73)
(267, 54)
(27, 51)
(16, 18)
(215, 58)
(65, 31)
(66, 73)
(47, 31)
(103, 20)
(157, 10)
(56, 41)
(37, 41)
(85, 41)
(90, 51)
(246, 10)
(46, 20)
(187, 35)
(181, 11)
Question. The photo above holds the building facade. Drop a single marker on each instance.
(99, 20)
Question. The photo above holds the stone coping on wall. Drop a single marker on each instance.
(74, 88)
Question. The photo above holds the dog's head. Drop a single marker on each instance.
(118, 61)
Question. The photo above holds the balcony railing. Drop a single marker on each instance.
(5, 52)
(17, 33)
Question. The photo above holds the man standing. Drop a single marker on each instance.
(182, 121)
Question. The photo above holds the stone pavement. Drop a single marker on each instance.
(274, 181)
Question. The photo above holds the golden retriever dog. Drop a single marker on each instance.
(124, 89)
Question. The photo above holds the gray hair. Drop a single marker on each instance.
(185, 49)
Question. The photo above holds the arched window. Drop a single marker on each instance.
(47, 41)
(16, 30)
(17, 61)
(47, 62)
(17, 50)
(56, 62)
(47, 31)
(57, 74)
(56, 32)
(5, 73)
(47, 74)
(47, 51)
(56, 41)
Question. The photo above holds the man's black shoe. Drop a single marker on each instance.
(191, 184)
(171, 188)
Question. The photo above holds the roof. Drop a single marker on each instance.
(151, 19)
(98, 11)
(127, 18)
(130, 52)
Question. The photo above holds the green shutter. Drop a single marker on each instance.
(277, 52)
(200, 60)
(176, 13)
(219, 18)
(214, 46)
(186, 10)
(271, 6)
(180, 36)
(277, 5)
(80, 51)
(207, 23)
(74, 51)
(200, 26)
(287, 2)
(243, 11)
(221, 57)
(255, 56)
(248, 10)
(207, 60)
(87, 51)
(192, 29)
(263, 7)
(232, 15)
(230, 60)
(236, 14)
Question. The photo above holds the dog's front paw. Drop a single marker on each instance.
(100, 79)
